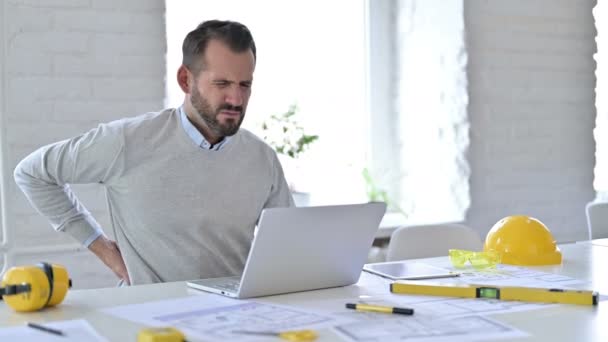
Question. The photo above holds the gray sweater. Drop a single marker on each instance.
(178, 211)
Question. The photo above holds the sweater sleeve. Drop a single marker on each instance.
(280, 195)
(44, 177)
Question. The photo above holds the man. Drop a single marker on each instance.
(185, 187)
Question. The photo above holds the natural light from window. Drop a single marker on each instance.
(305, 56)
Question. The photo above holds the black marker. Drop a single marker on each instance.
(45, 329)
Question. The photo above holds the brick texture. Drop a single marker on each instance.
(71, 64)
(531, 111)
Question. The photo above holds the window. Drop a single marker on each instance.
(374, 80)
(305, 57)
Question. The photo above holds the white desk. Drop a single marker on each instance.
(600, 242)
(559, 323)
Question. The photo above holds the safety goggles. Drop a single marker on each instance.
(478, 260)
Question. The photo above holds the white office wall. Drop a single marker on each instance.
(531, 111)
(600, 13)
(3, 175)
(69, 65)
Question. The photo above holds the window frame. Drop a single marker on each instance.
(381, 82)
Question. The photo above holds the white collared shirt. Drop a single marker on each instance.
(196, 136)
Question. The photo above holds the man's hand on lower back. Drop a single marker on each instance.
(108, 252)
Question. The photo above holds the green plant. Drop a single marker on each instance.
(285, 134)
(375, 193)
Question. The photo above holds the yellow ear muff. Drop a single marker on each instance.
(31, 288)
(60, 283)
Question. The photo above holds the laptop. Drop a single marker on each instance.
(303, 248)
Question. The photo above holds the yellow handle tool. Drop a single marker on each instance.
(525, 294)
(293, 335)
(165, 334)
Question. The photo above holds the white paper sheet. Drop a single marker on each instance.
(503, 275)
(444, 318)
(74, 331)
(429, 307)
(508, 275)
(379, 327)
(214, 318)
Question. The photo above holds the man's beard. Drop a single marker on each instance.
(209, 115)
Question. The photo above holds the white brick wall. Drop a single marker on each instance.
(600, 13)
(3, 148)
(69, 65)
(531, 110)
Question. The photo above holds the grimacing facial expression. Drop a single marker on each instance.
(209, 114)
(222, 88)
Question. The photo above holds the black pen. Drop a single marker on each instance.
(379, 308)
(45, 329)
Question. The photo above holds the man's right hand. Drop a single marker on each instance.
(107, 250)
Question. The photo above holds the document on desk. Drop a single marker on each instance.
(73, 331)
(507, 275)
(504, 275)
(377, 327)
(214, 318)
(446, 318)
(439, 318)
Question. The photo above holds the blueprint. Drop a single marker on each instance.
(412, 329)
(506, 275)
(445, 318)
(73, 331)
(215, 318)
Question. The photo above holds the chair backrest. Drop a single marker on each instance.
(412, 242)
(597, 219)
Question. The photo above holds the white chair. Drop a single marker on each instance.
(597, 219)
(427, 241)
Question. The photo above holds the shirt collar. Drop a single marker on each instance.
(196, 136)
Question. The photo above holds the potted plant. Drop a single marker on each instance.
(376, 193)
(287, 136)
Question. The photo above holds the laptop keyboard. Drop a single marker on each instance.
(231, 285)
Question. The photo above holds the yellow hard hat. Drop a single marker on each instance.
(523, 240)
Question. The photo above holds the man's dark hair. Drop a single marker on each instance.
(235, 35)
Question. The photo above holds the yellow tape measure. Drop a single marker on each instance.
(166, 334)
